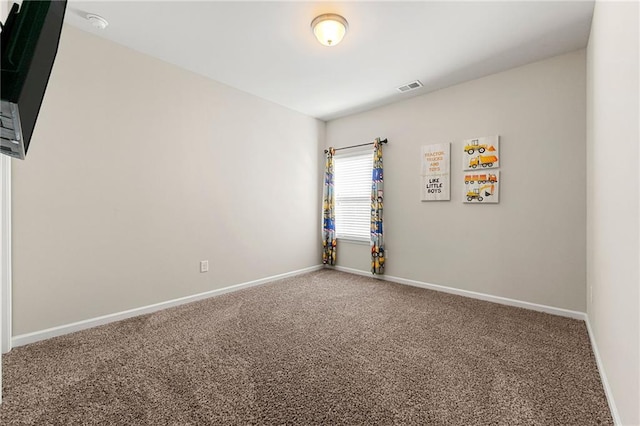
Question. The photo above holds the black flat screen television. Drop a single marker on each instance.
(29, 44)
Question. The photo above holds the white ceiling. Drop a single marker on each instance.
(268, 48)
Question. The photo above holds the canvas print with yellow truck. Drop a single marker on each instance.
(482, 187)
(481, 153)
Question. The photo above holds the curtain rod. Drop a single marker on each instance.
(355, 146)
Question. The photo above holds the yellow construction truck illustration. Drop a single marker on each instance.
(480, 178)
(476, 193)
(483, 160)
(473, 146)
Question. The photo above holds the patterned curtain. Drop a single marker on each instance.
(377, 195)
(328, 214)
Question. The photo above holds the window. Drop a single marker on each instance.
(352, 186)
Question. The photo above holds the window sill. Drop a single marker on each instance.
(354, 241)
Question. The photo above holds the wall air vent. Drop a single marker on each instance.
(409, 86)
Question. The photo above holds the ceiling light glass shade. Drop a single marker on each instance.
(97, 21)
(329, 28)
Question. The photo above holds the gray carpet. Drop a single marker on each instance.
(322, 348)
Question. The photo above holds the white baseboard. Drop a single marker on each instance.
(472, 294)
(603, 375)
(27, 338)
(24, 339)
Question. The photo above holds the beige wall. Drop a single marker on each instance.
(137, 171)
(531, 246)
(613, 190)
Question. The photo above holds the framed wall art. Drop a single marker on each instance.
(482, 187)
(481, 153)
(435, 177)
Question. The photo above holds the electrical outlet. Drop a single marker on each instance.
(204, 266)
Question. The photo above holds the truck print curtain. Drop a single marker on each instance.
(377, 197)
(328, 213)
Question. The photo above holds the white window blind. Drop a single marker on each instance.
(352, 186)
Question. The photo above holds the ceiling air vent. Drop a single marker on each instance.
(409, 86)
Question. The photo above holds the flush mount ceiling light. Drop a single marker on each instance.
(329, 28)
(97, 21)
